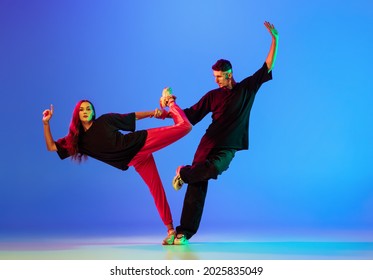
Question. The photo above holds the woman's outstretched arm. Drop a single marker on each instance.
(157, 113)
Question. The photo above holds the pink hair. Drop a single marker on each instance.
(75, 129)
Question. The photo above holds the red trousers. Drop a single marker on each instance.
(144, 163)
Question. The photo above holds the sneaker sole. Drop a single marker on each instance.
(180, 243)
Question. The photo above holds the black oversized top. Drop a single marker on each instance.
(230, 112)
(103, 140)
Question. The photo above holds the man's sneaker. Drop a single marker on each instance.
(177, 182)
(169, 240)
(166, 97)
(181, 240)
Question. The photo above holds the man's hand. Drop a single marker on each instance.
(272, 54)
(271, 28)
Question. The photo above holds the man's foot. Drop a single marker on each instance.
(181, 240)
(169, 240)
(166, 97)
(177, 182)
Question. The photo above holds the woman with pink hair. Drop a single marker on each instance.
(100, 138)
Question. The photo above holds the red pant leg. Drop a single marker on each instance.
(161, 137)
(144, 163)
(148, 171)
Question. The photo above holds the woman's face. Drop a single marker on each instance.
(86, 112)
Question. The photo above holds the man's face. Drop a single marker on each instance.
(223, 79)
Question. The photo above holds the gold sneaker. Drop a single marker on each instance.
(169, 240)
(166, 97)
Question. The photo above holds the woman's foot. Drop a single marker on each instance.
(167, 97)
(169, 240)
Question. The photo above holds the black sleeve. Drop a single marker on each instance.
(199, 110)
(257, 79)
(125, 122)
(61, 151)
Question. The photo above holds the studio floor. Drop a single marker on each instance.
(149, 248)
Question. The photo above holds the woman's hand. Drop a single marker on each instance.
(51, 145)
(47, 114)
(160, 114)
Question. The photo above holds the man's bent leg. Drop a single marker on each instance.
(216, 163)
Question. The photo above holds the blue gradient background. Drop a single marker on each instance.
(308, 173)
